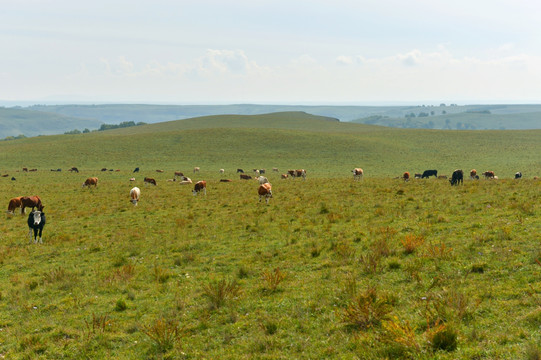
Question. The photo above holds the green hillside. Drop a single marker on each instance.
(16, 121)
(322, 145)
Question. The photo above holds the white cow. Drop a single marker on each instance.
(262, 180)
(135, 193)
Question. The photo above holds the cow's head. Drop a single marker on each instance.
(37, 217)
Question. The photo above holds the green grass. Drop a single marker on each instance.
(224, 276)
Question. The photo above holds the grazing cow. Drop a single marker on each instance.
(406, 176)
(536, 177)
(132, 179)
(185, 180)
(196, 169)
(135, 193)
(104, 169)
(74, 169)
(179, 174)
(226, 180)
(262, 180)
(33, 170)
(200, 186)
(418, 176)
(240, 171)
(266, 191)
(518, 175)
(489, 174)
(5, 175)
(256, 172)
(275, 169)
(301, 173)
(261, 171)
(291, 173)
(31, 202)
(136, 170)
(25, 169)
(284, 176)
(473, 174)
(13, 178)
(429, 173)
(159, 171)
(91, 181)
(36, 222)
(149, 181)
(457, 178)
(14, 204)
(222, 171)
(245, 177)
(357, 174)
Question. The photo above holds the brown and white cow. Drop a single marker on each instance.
(473, 174)
(150, 181)
(489, 174)
(262, 180)
(179, 174)
(185, 180)
(91, 181)
(406, 176)
(300, 173)
(357, 174)
(159, 171)
(14, 204)
(196, 169)
(284, 176)
(266, 191)
(135, 193)
(200, 186)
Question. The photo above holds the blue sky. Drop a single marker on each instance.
(259, 51)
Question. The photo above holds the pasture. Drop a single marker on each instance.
(330, 268)
(224, 276)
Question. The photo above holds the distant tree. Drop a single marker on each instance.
(422, 114)
(432, 113)
(442, 104)
(86, 131)
(73, 132)
(430, 124)
(444, 112)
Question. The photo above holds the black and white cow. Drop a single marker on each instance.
(36, 222)
(518, 175)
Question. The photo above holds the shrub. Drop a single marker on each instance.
(165, 334)
(273, 279)
(412, 242)
(218, 292)
(367, 309)
(443, 337)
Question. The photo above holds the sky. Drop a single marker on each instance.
(354, 52)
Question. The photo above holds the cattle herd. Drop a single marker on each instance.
(36, 218)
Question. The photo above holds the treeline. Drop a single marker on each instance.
(104, 127)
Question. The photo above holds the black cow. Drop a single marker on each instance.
(36, 222)
(240, 171)
(518, 175)
(261, 171)
(458, 177)
(429, 173)
(136, 170)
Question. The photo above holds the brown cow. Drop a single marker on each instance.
(179, 174)
(159, 171)
(406, 176)
(91, 181)
(473, 174)
(357, 174)
(196, 169)
(489, 174)
(14, 204)
(226, 180)
(266, 191)
(25, 169)
(31, 201)
(284, 176)
(149, 181)
(200, 186)
(245, 177)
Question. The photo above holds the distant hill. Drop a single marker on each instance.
(57, 119)
(16, 121)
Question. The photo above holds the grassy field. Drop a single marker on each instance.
(330, 268)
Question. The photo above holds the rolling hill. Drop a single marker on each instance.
(324, 146)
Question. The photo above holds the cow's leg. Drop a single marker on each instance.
(40, 231)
